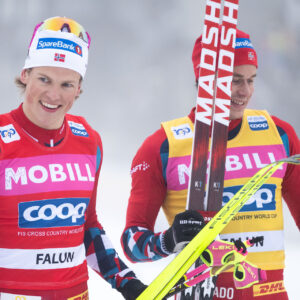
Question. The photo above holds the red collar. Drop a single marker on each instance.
(43, 136)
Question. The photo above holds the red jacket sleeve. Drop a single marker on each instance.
(148, 187)
(91, 216)
(291, 180)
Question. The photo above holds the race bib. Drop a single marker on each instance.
(6, 296)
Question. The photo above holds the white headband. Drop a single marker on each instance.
(57, 49)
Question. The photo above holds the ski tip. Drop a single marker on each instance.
(295, 159)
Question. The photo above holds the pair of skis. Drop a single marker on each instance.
(212, 118)
(175, 270)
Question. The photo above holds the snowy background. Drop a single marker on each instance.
(140, 73)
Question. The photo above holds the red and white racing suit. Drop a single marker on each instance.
(49, 230)
(154, 186)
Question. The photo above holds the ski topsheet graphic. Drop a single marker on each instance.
(213, 105)
(183, 261)
(212, 119)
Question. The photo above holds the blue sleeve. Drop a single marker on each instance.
(142, 245)
(103, 258)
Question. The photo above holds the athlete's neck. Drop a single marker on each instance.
(43, 136)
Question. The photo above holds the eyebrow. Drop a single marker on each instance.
(42, 74)
(242, 76)
(66, 80)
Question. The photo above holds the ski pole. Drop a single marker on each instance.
(205, 270)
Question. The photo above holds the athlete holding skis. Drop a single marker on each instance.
(50, 165)
(160, 173)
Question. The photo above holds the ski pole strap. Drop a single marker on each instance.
(219, 257)
(196, 271)
(182, 286)
(191, 274)
(246, 274)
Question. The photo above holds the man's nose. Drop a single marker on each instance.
(53, 93)
(245, 89)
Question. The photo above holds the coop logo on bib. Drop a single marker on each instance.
(262, 200)
(52, 213)
(78, 129)
(257, 123)
(9, 134)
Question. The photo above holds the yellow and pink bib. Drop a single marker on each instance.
(257, 144)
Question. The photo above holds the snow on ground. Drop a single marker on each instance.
(113, 193)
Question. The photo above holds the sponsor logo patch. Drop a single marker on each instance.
(9, 134)
(263, 199)
(52, 213)
(83, 296)
(183, 131)
(59, 44)
(243, 43)
(224, 292)
(29, 175)
(7, 296)
(141, 167)
(257, 123)
(78, 129)
(269, 288)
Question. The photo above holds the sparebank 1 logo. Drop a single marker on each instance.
(52, 213)
(59, 44)
(257, 123)
(9, 134)
(263, 199)
(183, 131)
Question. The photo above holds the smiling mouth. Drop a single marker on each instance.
(49, 106)
(237, 102)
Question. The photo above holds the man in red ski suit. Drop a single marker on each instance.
(160, 172)
(50, 165)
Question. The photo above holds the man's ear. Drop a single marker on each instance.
(24, 76)
(78, 90)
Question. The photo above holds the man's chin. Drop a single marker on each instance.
(236, 115)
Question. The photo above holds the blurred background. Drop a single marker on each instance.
(140, 73)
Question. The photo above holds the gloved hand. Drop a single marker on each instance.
(185, 226)
(132, 289)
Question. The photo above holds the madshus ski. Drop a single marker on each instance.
(212, 118)
(173, 272)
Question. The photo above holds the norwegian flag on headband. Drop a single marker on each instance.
(59, 57)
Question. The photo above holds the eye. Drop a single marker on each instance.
(236, 81)
(68, 85)
(43, 79)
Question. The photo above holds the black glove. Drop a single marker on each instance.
(132, 289)
(185, 226)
